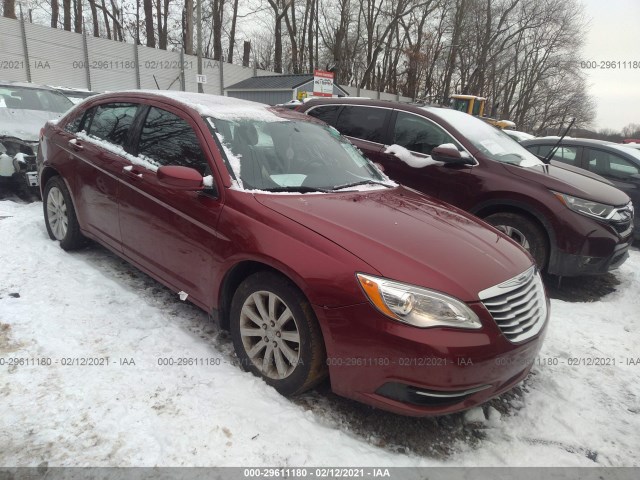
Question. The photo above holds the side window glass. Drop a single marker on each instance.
(566, 155)
(74, 125)
(326, 113)
(169, 140)
(607, 164)
(419, 135)
(111, 122)
(366, 123)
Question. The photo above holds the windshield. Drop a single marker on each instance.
(293, 156)
(20, 98)
(491, 141)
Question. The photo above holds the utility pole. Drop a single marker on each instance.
(199, 35)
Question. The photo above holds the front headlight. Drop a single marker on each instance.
(417, 306)
(586, 207)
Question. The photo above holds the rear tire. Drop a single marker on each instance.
(524, 232)
(276, 335)
(60, 216)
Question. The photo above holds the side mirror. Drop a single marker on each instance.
(180, 178)
(448, 153)
(379, 165)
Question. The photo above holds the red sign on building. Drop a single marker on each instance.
(322, 83)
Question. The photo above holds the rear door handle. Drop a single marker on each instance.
(76, 144)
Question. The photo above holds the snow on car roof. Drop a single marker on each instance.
(218, 106)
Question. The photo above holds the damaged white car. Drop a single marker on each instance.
(24, 109)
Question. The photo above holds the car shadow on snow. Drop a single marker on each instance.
(581, 289)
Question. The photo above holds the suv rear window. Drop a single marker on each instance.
(326, 113)
(365, 123)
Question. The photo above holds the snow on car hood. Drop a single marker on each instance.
(410, 238)
(24, 124)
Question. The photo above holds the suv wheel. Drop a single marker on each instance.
(276, 335)
(60, 216)
(524, 232)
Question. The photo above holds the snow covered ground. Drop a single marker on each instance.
(135, 412)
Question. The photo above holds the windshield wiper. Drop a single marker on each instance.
(362, 182)
(299, 189)
(547, 159)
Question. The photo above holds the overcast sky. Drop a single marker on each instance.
(614, 35)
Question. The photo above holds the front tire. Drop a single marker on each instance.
(60, 216)
(276, 335)
(524, 232)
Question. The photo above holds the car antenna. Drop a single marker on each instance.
(552, 152)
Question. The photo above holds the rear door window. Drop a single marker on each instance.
(326, 113)
(365, 123)
(608, 164)
(418, 134)
(111, 122)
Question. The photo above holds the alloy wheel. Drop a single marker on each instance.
(57, 213)
(270, 335)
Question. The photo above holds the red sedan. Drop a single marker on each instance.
(315, 261)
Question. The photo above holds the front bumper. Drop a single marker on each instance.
(569, 265)
(421, 372)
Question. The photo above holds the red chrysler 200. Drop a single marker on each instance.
(315, 261)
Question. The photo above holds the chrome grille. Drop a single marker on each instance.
(621, 219)
(518, 306)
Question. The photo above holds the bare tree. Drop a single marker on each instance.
(279, 8)
(94, 18)
(66, 14)
(9, 8)
(187, 27)
(55, 7)
(148, 23)
(232, 34)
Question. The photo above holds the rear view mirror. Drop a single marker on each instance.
(180, 178)
(448, 153)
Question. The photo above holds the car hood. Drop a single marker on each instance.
(24, 124)
(567, 181)
(409, 237)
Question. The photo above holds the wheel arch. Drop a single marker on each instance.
(47, 174)
(491, 207)
(234, 276)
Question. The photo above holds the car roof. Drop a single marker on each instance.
(207, 105)
(420, 109)
(35, 86)
(586, 142)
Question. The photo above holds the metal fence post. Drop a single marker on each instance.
(221, 63)
(182, 81)
(24, 45)
(87, 70)
(137, 62)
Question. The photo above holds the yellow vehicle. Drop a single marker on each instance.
(474, 105)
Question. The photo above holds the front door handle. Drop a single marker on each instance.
(132, 172)
(76, 144)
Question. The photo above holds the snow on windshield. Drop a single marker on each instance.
(489, 140)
